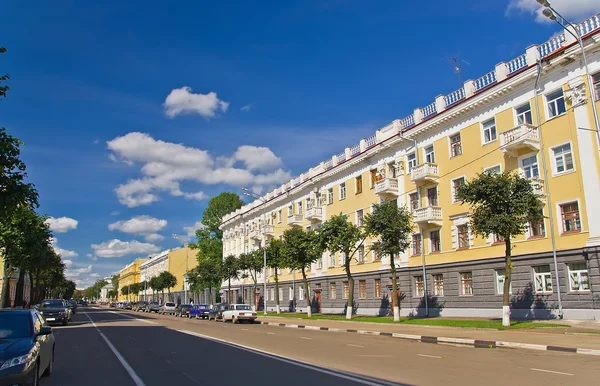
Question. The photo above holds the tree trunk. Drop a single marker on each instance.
(395, 297)
(506, 290)
(257, 300)
(19, 288)
(210, 302)
(350, 304)
(6, 286)
(277, 292)
(229, 291)
(306, 294)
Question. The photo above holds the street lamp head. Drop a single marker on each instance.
(245, 189)
(549, 14)
(543, 3)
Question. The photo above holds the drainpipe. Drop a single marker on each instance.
(540, 66)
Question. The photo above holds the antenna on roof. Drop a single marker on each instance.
(456, 62)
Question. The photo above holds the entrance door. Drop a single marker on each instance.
(318, 301)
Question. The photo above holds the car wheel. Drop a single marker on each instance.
(65, 322)
(50, 369)
(234, 320)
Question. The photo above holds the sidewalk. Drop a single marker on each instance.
(568, 339)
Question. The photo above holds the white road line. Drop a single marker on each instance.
(429, 356)
(270, 333)
(353, 377)
(133, 317)
(355, 345)
(136, 379)
(550, 371)
(244, 329)
(306, 338)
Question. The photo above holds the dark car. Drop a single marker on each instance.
(141, 306)
(26, 347)
(216, 312)
(153, 307)
(127, 306)
(72, 304)
(183, 310)
(84, 303)
(200, 311)
(54, 311)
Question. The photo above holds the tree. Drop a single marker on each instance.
(302, 248)
(210, 272)
(392, 226)
(502, 204)
(276, 261)
(339, 235)
(156, 286)
(3, 88)
(114, 280)
(217, 208)
(252, 263)
(168, 281)
(231, 270)
(125, 291)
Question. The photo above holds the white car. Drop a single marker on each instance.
(238, 312)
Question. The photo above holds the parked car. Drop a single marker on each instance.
(200, 311)
(73, 306)
(54, 311)
(216, 313)
(127, 306)
(153, 307)
(141, 305)
(84, 303)
(26, 347)
(183, 310)
(239, 312)
(167, 308)
(113, 305)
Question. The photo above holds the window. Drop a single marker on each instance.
(466, 283)
(419, 286)
(376, 255)
(579, 279)
(393, 170)
(360, 216)
(556, 103)
(272, 294)
(291, 293)
(538, 229)
(377, 285)
(416, 244)
(362, 289)
(456, 183)
(299, 205)
(332, 291)
(301, 293)
(463, 236)
(411, 161)
(332, 259)
(530, 167)
(361, 254)
(429, 154)
(570, 217)
(432, 197)
(330, 196)
(358, 181)
(455, 145)
(436, 243)
(524, 114)
(309, 204)
(500, 275)
(542, 278)
(291, 210)
(279, 215)
(342, 190)
(438, 285)
(497, 239)
(563, 158)
(489, 131)
(596, 82)
(373, 174)
(320, 263)
(414, 201)
(346, 290)
(493, 170)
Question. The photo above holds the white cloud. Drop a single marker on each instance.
(139, 225)
(68, 263)
(76, 272)
(246, 108)
(575, 10)
(154, 237)
(184, 101)
(190, 231)
(65, 253)
(118, 248)
(61, 224)
(164, 165)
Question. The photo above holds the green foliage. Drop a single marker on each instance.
(502, 204)
(218, 207)
(210, 273)
(275, 256)
(231, 268)
(339, 235)
(391, 225)
(156, 284)
(3, 88)
(125, 291)
(167, 280)
(252, 263)
(114, 280)
(301, 247)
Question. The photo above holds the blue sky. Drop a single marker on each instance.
(133, 115)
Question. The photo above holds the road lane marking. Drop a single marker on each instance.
(244, 329)
(429, 356)
(355, 345)
(133, 317)
(136, 379)
(350, 377)
(550, 371)
(270, 333)
(304, 337)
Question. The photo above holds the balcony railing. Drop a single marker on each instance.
(314, 214)
(296, 219)
(424, 172)
(387, 186)
(428, 215)
(254, 234)
(269, 229)
(538, 186)
(523, 136)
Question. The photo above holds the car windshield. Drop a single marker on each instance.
(14, 325)
(170, 304)
(52, 304)
(243, 307)
(186, 305)
(203, 306)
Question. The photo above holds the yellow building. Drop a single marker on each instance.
(490, 123)
(130, 275)
(181, 260)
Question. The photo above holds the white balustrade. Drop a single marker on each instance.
(425, 171)
(589, 25)
(551, 45)
(522, 136)
(517, 63)
(387, 186)
(455, 96)
(408, 121)
(355, 150)
(341, 157)
(428, 214)
(372, 140)
(429, 110)
(485, 81)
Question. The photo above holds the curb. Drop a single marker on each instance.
(442, 340)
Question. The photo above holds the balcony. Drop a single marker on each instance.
(270, 230)
(314, 214)
(254, 235)
(295, 220)
(424, 172)
(387, 187)
(538, 187)
(428, 215)
(523, 136)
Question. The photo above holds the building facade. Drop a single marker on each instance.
(129, 275)
(154, 266)
(498, 122)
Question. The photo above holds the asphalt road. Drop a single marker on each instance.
(107, 347)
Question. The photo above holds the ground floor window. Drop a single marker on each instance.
(332, 291)
(377, 288)
(419, 286)
(301, 293)
(500, 275)
(542, 278)
(579, 279)
(438, 285)
(291, 293)
(362, 289)
(346, 290)
(466, 283)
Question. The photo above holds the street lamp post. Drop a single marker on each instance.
(551, 14)
(264, 204)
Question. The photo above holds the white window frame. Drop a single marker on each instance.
(359, 219)
(555, 172)
(499, 277)
(301, 293)
(411, 209)
(280, 216)
(578, 276)
(375, 294)
(437, 196)
(332, 294)
(542, 276)
(329, 196)
(466, 224)
(461, 287)
(411, 163)
(280, 293)
(522, 169)
(291, 293)
(272, 294)
(559, 215)
(429, 156)
(332, 260)
(459, 145)
(453, 192)
(596, 86)
(299, 207)
(345, 285)
(548, 102)
(438, 290)
(290, 212)
(517, 114)
(499, 166)
(484, 129)
(419, 286)
(530, 227)
(343, 192)
(412, 247)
